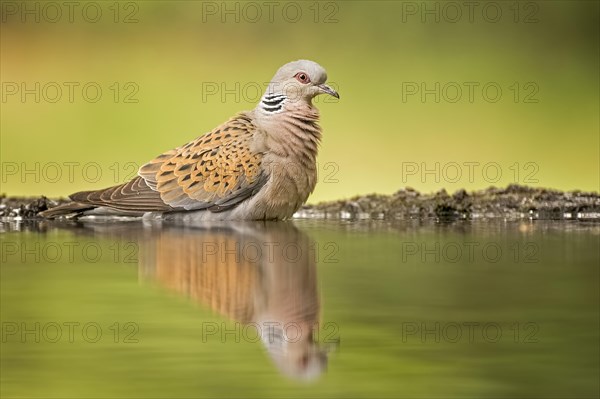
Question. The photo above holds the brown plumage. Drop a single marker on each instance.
(260, 164)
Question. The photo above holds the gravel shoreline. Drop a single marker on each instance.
(514, 202)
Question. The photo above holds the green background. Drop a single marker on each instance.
(370, 49)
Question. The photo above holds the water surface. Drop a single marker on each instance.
(300, 309)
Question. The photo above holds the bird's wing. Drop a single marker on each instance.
(216, 171)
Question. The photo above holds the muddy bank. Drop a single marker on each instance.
(26, 207)
(513, 202)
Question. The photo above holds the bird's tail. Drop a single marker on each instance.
(133, 198)
(71, 209)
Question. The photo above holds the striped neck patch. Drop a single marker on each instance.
(272, 102)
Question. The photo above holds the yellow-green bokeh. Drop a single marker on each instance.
(370, 49)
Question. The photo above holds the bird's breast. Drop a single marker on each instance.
(290, 182)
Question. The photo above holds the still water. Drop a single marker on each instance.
(300, 309)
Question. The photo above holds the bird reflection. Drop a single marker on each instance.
(256, 273)
(260, 274)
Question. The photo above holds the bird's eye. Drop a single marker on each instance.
(302, 77)
(304, 361)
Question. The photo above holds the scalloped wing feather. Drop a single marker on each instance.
(216, 171)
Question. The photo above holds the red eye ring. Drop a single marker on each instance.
(302, 77)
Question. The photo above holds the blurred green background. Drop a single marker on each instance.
(373, 51)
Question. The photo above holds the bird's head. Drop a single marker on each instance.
(300, 80)
(300, 358)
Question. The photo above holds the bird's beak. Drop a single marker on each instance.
(328, 90)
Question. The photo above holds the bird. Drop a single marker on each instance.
(258, 165)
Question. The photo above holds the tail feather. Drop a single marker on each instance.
(71, 209)
(132, 198)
